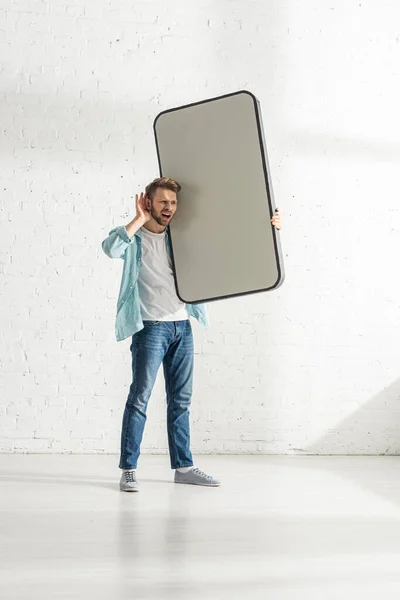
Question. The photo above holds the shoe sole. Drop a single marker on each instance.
(200, 484)
(123, 490)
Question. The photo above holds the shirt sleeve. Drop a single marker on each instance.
(116, 243)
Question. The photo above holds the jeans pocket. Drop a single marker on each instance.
(151, 323)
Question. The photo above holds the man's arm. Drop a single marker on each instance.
(119, 238)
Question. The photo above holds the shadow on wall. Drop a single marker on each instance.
(373, 429)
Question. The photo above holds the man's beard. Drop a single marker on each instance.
(158, 218)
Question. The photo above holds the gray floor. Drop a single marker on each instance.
(279, 528)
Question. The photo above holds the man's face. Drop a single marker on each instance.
(163, 206)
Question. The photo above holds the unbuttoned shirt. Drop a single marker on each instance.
(128, 320)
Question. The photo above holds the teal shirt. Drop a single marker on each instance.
(128, 320)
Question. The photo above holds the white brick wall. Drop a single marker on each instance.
(312, 367)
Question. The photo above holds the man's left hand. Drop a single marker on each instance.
(276, 220)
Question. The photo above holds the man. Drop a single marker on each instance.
(149, 310)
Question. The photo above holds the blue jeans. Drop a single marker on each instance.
(170, 343)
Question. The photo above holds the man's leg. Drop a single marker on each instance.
(148, 350)
(178, 373)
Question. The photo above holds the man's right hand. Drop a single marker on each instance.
(142, 213)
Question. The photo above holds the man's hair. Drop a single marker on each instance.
(162, 182)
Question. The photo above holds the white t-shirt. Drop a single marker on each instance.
(158, 298)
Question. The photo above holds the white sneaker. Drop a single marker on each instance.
(128, 481)
(196, 477)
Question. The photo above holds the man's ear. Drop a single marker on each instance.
(148, 203)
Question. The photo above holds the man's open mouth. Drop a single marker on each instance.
(166, 215)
